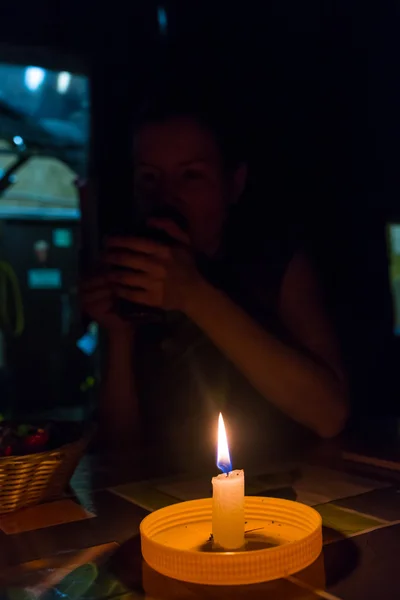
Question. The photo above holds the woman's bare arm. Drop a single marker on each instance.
(307, 385)
(118, 398)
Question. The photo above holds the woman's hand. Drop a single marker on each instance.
(154, 274)
(98, 303)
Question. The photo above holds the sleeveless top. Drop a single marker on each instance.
(184, 380)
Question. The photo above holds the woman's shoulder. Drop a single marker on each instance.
(263, 245)
(257, 256)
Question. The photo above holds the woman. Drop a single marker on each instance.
(245, 325)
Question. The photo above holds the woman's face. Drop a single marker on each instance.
(178, 164)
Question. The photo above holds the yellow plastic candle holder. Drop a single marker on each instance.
(282, 537)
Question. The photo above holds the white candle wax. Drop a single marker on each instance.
(228, 510)
(228, 498)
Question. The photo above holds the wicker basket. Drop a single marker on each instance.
(30, 479)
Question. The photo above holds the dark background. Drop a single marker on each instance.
(319, 80)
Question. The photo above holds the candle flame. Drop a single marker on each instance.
(223, 458)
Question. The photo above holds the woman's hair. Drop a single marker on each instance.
(207, 107)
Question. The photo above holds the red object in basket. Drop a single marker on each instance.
(36, 441)
(6, 450)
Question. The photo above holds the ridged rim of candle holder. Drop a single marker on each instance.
(233, 568)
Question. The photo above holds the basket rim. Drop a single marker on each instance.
(85, 438)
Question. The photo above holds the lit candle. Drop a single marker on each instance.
(228, 498)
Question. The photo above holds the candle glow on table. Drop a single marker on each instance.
(228, 498)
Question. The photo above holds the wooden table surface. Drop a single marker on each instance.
(44, 546)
